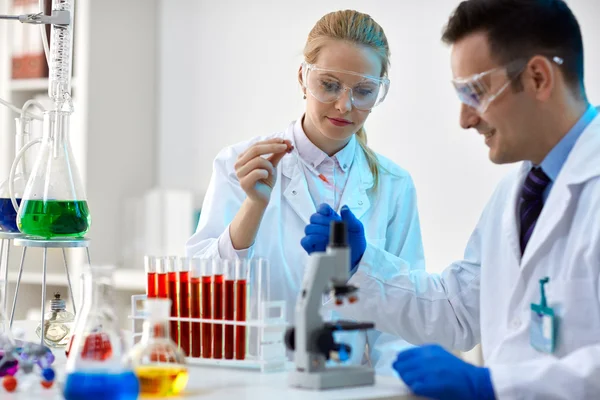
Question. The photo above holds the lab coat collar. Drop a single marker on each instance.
(581, 166)
(360, 179)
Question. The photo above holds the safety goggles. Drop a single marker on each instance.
(328, 86)
(479, 90)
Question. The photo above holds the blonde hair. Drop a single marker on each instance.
(358, 28)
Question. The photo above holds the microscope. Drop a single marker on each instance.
(312, 339)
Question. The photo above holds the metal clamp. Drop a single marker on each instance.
(58, 17)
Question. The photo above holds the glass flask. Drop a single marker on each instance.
(97, 367)
(8, 213)
(158, 363)
(54, 203)
(58, 324)
(8, 362)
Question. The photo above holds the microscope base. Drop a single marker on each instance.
(330, 378)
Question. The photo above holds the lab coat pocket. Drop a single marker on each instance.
(575, 303)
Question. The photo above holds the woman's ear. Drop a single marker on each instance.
(300, 80)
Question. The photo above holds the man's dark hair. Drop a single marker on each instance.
(521, 29)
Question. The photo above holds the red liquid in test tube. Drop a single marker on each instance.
(161, 278)
(218, 314)
(173, 286)
(240, 315)
(195, 311)
(206, 295)
(184, 306)
(150, 268)
(240, 309)
(229, 316)
(206, 313)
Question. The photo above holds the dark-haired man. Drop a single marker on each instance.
(528, 287)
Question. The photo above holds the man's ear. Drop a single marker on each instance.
(540, 77)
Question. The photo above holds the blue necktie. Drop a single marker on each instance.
(531, 203)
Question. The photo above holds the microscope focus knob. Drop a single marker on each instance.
(290, 338)
(323, 340)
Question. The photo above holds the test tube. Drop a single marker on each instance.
(205, 292)
(184, 305)
(172, 269)
(150, 267)
(219, 272)
(195, 306)
(161, 278)
(241, 279)
(258, 295)
(229, 301)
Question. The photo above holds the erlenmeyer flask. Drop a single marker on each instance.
(8, 213)
(97, 367)
(158, 362)
(54, 203)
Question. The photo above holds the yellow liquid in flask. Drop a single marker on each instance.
(161, 380)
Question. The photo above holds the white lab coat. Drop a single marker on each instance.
(389, 216)
(487, 295)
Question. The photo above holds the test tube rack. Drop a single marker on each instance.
(264, 347)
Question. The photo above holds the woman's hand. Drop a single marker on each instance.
(256, 173)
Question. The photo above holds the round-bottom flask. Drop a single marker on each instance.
(158, 363)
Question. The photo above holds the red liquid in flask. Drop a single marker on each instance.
(184, 311)
(218, 314)
(195, 309)
(206, 313)
(96, 347)
(229, 315)
(162, 286)
(151, 285)
(240, 315)
(174, 325)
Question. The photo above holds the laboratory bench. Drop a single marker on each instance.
(218, 383)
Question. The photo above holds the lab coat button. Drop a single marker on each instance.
(294, 192)
(360, 203)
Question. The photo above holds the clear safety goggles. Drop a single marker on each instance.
(328, 85)
(479, 90)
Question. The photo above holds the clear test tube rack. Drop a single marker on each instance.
(264, 337)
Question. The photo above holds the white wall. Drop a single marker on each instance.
(121, 116)
(228, 72)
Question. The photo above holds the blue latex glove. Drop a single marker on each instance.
(432, 372)
(356, 235)
(317, 232)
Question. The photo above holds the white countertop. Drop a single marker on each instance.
(219, 383)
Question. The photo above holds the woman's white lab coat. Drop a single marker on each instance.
(487, 295)
(389, 216)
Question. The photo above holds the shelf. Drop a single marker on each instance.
(32, 85)
(33, 278)
(124, 279)
(29, 85)
(130, 279)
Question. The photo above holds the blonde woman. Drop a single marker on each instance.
(270, 196)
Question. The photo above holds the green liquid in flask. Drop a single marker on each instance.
(54, 218)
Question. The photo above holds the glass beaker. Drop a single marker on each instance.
(8, 213)
(54, 203)
(97, 367)
(157, 361)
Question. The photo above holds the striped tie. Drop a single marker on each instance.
(531, 203)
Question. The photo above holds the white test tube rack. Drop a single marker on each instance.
(265, 348)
